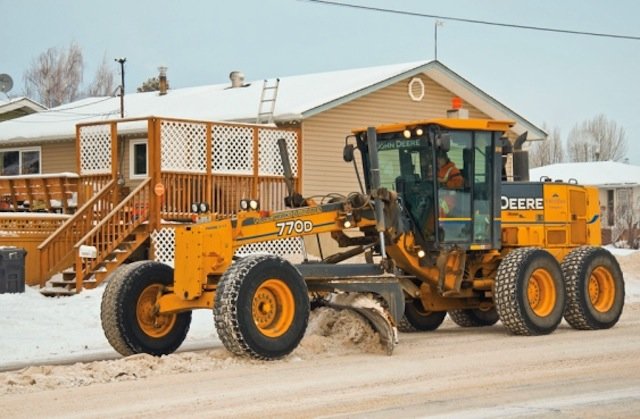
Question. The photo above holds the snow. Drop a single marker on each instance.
(51, 330)
(597, 173)
(296, 95)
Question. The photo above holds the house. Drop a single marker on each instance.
(140, 173)
(325, 106)
(618, 185)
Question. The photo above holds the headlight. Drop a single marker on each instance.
(244, 205)
(204, 207)
(194, 207)
(254, 205)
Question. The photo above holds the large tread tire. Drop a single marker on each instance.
(417, 319)
(261, 307)
(529, 292)
(126, 311)
(474, 317)
(595, 288)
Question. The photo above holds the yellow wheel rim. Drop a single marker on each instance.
(602, 289)
(273, 308)
(541, 292)
(153, 324)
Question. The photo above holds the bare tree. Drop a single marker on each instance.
(151, 85)
(103, 84)
(550, 151)
(627, 220)
(55, 76)
(597, 139)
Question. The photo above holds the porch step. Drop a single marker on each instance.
(57, 292)
(66, 284)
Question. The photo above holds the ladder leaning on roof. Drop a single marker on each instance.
(267, 102)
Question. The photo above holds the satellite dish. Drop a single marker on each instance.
(6, 83)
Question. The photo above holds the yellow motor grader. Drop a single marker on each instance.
(482, 250)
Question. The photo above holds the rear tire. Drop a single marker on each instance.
(262, 307)
(529, 292)
(474, 317)
(127, 311)
(595, 288)
(417, 319)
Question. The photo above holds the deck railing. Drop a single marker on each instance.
(112, 230)
(56, 192)
(57, 251)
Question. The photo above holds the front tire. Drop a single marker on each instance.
(417, 319)
(595, 288)
(262, 307)
(128, 311)
(529, 292)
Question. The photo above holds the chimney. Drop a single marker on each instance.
(457, 111)
(162, 78)
(237, 79)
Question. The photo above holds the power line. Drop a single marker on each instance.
(479, 22)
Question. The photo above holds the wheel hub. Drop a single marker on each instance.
(541, 292)
(152, 323)
(272, 308)
(602, 289)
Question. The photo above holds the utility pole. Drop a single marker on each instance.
(121, 61)
(435, 36)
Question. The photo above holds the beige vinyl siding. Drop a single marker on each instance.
(323, 135)
(57, 157)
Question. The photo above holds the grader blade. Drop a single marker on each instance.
(376, 315)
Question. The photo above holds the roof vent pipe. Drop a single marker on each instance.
(162, 78)
(237, 79)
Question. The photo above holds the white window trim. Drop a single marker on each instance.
(21, 150)
(132, 145)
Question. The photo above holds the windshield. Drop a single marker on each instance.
(406, 166)
(446, 190)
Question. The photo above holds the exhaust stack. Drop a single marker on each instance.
(520, 160)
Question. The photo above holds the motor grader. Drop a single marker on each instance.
(525, 253)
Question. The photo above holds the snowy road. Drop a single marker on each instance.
(452, 372)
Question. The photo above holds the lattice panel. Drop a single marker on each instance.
(163, 242)
(284, 247)
(183, 147)
(270, 162)
(232, 150)
(95, 150)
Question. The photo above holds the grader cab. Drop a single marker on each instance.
(436, 227)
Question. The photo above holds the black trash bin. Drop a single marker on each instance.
(11, 269)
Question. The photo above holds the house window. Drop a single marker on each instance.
(138, 159)
(24, 161)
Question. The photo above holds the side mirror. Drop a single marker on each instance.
(443, 142)
(347, 153)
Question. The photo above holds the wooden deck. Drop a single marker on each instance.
(118, 219)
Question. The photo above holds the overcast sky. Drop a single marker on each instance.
(550, 78)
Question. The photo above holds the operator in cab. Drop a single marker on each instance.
(449, 175)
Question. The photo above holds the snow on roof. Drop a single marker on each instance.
(597, 173)
(298, 97)
(8, 105)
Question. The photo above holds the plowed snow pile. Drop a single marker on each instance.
(330, 333)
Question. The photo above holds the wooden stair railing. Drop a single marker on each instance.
(56, 252)
(113, 239)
